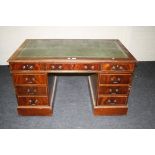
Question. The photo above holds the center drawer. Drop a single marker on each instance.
(113, 90)
(30, 78)
(30, 90)
(72, 67)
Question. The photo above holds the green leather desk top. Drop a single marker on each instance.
(71, 48)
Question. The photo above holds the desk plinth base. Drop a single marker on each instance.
(110, 111)
(33, 111)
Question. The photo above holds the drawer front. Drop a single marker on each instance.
(112, 101)
(90, 67)
(28, 90)
(32, 101)
(113, 90)
(117, 67)
(30, 79)
(58, 67)
(26, 66)
(115, 78)
(72, 67)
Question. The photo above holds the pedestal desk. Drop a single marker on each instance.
(36, 63)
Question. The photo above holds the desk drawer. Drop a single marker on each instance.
(112, 101)
(72, 67)
(30, 78)
(58, 67)
(30, 90)
(32, 101)
(90, 67)
(113, 90)
(115, 78)
(26, 66)
(118, 67)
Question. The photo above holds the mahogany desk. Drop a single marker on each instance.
(35, 63)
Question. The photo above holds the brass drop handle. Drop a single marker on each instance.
(118, 79)
(112, 102)
(26, 79)
(28, 67)
(33, 101)
(31, 90)
(115, 80)
(113, 68)
(28, 90)
(30, 79)
(93, 67)
(24, 67)
(52, 67)
(85, 67)
(121, 67)
(113, 91)
(60, 67)
(117, 67)
(33, 79)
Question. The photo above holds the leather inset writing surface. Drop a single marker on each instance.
(88, 48)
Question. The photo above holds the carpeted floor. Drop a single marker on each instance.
(72, 107)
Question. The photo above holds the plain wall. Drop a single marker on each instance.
(140, 41)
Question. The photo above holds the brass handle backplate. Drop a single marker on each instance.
(33, 101)
(112, 102)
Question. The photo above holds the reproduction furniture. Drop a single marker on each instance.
(36, 63)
